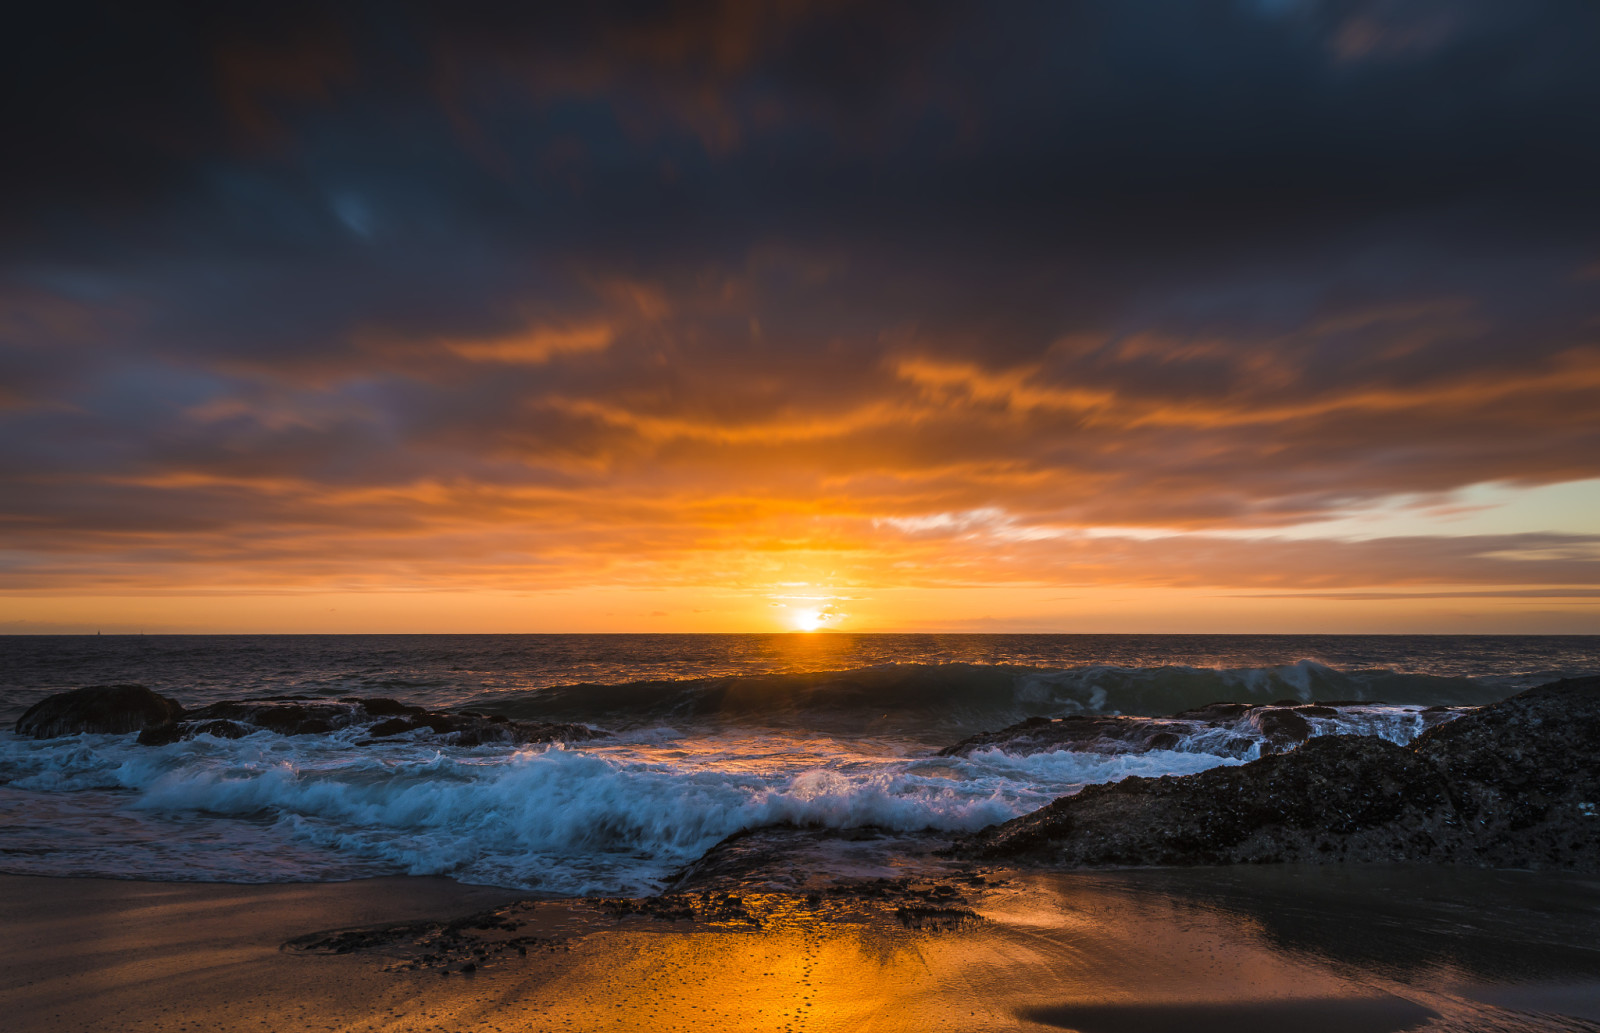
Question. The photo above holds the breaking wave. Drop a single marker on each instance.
(563, 820)
(690, 763)
(909, 697)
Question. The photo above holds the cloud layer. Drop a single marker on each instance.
(709, 295)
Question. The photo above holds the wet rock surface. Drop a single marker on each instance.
(114, 709)
(1223, 729)
(1524, 776)
(946, 919)
(716, 909)
(792, 858)
(462, 945)
(493, 937)
(914, 902)
(159, 720)
(1513, 784)
(374, 718)
(928, 890)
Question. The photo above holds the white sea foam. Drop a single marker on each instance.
(1071, 770)
(618, 815)
(621, 817)
(1395, 723)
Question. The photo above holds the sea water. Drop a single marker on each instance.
(709, 735)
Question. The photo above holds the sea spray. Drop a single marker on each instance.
(620, 817)
(607, 817)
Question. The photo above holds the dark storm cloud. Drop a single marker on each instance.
(1196, 265)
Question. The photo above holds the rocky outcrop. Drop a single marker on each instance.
(1524, 775)
(1513, 784)
(159, 720)
(373, 719)
(793, 859)
(1223, 729)
(115, 709)
(1336, 797)
(463, 945)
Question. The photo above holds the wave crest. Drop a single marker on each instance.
(912, 697)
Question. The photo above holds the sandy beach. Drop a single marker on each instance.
(1108, 952)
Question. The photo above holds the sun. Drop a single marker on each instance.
(808, 620)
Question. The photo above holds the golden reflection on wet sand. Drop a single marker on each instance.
(1101, 953)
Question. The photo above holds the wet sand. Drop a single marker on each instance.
(1121, 952)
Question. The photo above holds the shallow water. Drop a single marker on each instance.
(1369, 948)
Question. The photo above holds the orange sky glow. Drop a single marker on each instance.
(695, 321)
(918, 507)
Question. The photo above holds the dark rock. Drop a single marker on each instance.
(1524, 775)
(1272, 728)
(349, 941)
(222, 729)
(1359, 797)
(936, 919)
(286, 717)
(159, 720)
(115, 709)
(478, 730)
(668, 907)
(1280, 725)
(174, 731)
(161, 735)
(379, 706)
(469, 943)
(789, 858)
(379, 718)
(1511, 784)
(1217, 713)
(1078, 733)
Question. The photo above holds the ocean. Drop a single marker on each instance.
(709, 735)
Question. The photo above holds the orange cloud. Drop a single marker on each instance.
(537, 345)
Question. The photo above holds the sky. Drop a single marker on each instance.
(1119, 316)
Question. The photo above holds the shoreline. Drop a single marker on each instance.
(1353, 948)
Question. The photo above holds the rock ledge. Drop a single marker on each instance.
(1510, 785)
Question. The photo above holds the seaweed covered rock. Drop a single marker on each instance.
(114, 709)
(1511, 784)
